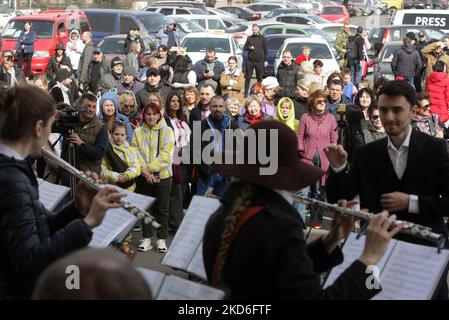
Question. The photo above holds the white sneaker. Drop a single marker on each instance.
(145, 244)
(161, 247)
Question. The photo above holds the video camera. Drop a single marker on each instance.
(70, 121)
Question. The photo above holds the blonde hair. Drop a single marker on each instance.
(159, 99)
(126, 96)
(314, 86)
(251, 99)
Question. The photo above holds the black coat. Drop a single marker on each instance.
(5, 77)
(30, 236)
(260, 51)
(300, 107)
(406, 62)
(270, 259)
(288, 76)
(53, 66)
(372, 174)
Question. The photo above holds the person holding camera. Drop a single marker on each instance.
(433, 53)
(32, 237)
(91, 140)
(25, 46)
(10, 74)
(155, 142)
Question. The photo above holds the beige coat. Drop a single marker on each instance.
(430, 57)
(236, 89)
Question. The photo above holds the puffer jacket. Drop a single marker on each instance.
(118, 116)
(406, 62)
(437, 85)
(31, 237)
(288, 76)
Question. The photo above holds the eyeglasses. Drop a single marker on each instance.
(375, 117)
(128, 106)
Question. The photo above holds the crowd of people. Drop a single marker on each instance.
(138, 117)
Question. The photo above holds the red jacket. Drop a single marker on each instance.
(438, 89)
(301, 58)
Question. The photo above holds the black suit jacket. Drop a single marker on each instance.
(372, 174)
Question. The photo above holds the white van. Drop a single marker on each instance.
(423, 17)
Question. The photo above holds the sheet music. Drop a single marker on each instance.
(114, 223)
(153, 278)
(51, 194)
(190, 233)
(412, 273)
(139, 200)
(196, 266)
(352, 250)
(176, 288)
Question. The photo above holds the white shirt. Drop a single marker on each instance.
(9, 152)
(399, 161)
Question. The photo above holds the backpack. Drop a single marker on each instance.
(351, 49)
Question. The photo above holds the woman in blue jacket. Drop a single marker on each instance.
(25, 46)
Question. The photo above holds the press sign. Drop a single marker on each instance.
(428, 20)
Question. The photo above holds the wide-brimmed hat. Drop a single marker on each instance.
(292, 173)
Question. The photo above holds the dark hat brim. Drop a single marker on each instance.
(292, 177)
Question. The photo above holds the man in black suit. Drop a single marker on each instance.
(406, 173)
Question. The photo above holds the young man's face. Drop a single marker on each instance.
(395, 114)
(217, 108)
(336, 92)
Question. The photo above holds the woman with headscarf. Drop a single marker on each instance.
(285, 113)
(109, 113)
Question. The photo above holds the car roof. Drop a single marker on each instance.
(284, 35)
(129, 12)
(201, 16)
(306, 39)
(404, 25)
(208, 35)
(296, 15)
(49, 15)
(289, 25)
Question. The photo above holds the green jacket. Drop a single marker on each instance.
(341, 43)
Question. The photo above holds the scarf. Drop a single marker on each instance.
(254, 119)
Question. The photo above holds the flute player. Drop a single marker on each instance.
(254, 244)
(30, 236)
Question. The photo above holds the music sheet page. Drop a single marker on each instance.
(412, 273)
(51, 194)
(190, 233)
(176, 288)
(153, 278)
(196, 266)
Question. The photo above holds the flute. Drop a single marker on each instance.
(128, 206)
(410, 228)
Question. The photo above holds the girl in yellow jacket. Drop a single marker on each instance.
(113, 171)
(285, 113)
(155, 142)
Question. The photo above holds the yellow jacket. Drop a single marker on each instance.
(133, 159)
(145, 139)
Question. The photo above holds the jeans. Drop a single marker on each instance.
(356, 72)
(217, 181)
(316, 192)
(410, 80)
(250, 66)
(301, 207)
(28, 57)
(160, 191)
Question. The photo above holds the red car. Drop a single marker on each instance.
(335, 13)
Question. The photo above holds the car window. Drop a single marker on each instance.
(201, 22)
(112, 45)
(285, 19)
(227, 23)
(332, 10)
(126, 23)
(196, 11)
(332, 31)
(166, 11)
(317, 19)
(295, 31)
(44, 29)
(272, 30)
(151, 9)
(376, 34)
(182, 11)
(189, 26)
(152, 22)
(396, 35)
(433, 34)
(299, 20)
(275, 43)
(100, 22)
(221, 45)
(215, 24)
(317, 50)
(61, 27)
(388, 53)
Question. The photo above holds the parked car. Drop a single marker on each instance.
(274, 42)
(181, 4)
(264, 8)
(382, 64)
(225, 46)
(221, 13)
(278, 12)
(242, 13)
(113, 46)
(187, 26)
(378, 36)
(335, 13)
(418, 4)
(440, 4)
(230, 21)
(319, 49)
(172, 10)
(208, 22)
(52, 27)
(242, 31)
(333, 28)
(298, 18)
(106, 22)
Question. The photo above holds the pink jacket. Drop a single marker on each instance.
(313, 137)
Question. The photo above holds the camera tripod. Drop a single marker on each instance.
(71, 158)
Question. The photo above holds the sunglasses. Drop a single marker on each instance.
(375, 117)
(9, 58)
(427, 106)
(319, 101)
(129, 106)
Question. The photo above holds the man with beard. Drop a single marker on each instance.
(201, 111)
(209, 70)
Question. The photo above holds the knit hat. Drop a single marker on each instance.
(62, 74)
(115, 61)
(130, 71)
(270, 83)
